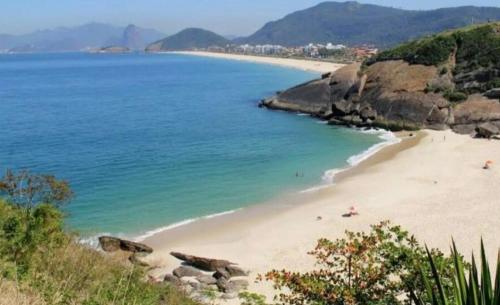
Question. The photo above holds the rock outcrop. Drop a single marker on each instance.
(113, 244)
(437, 83)
(388, 94)
(199, 274)
(202, 263)
(392, 95)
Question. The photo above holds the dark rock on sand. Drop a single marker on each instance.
(222, 273)
(172, 279)
(206, 279)
(113, 244)
(235, 271)
(186, 271)
(202, 263)
(487, 130)
(231, 286)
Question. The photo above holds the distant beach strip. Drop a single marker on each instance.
(306, 65)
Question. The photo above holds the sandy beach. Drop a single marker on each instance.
(307, 65)
(432, 184)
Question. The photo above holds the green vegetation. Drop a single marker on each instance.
(249, 298)
(429, 51)
(188, 39)
(353, 23)
(473, 47)
(44, 265)
(477, 290)
(386, 266)
(455, 96)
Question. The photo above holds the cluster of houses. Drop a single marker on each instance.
(312, 50)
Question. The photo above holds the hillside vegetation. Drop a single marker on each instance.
(353, 23)
(188, 39)
(41, 264)
(472, 54)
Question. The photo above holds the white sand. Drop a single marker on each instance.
(436, 189)
(307, 65)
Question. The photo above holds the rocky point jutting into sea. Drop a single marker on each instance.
(451, 80)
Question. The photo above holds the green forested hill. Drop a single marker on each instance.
(354, 23)
(189, 39)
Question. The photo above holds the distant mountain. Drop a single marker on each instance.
(136, 38)
(191, 38)
(91, 35)
(354, 23)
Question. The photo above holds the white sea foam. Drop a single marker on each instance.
(389, 139)
(180, 224)
(329, 176)
(93, 241)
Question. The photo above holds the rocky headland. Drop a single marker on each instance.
(450, 80)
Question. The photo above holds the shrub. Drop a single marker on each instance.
(249, 298)
(38, 257)
(455, 96)
(430, 51)
(374, 268)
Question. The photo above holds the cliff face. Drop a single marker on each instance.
(460, 92)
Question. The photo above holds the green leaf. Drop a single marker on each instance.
(437, 278)
(486, 286)
(461, 282)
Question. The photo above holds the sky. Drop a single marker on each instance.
(227, 17)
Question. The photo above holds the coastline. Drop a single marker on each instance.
(418, 183)
(329, 178)
(301, 64)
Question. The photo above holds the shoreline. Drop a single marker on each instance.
(383, 152)
(418, 183)
(300, 64)
(329, 178)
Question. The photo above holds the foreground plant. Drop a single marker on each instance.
(476, 290)
(363, 268)
(40, 264)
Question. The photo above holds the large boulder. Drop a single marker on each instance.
(487, 130)
(231, 286)
(493, 93)
(206, 279)
(113, 244)
(172, 279)
(186, 271)
(202, 263)
(474, 112)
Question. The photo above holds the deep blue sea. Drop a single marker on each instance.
(147, 140)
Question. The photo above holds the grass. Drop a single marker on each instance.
(41, 264)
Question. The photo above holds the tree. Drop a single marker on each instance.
(26, 190)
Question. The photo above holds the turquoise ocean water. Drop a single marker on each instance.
(151, 140)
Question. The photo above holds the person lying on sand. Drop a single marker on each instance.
(352, 212)
(488, 164)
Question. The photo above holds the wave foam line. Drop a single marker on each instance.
(93, 241)
(180, 224)
(328, 177)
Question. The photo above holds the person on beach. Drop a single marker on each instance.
(352, 212)
(488, 164)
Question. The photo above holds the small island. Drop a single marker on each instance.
(113, 50)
